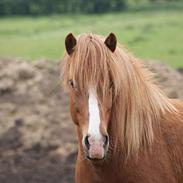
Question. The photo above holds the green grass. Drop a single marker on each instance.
(156, 34)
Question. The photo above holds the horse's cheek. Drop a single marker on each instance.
(73, 112)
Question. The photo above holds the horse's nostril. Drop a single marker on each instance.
(106, 140)
(86, 141)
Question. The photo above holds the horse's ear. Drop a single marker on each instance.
(111, 42)
(70, 43)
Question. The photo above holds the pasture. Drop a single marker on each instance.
(155, 34)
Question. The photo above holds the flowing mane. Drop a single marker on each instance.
(138, 103)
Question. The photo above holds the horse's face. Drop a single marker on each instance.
(92, 117)
(90, 111)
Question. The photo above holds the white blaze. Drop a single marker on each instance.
(94, 115)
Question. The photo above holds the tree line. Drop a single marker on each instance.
(46, 7)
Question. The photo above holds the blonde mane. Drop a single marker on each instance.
(138, 104)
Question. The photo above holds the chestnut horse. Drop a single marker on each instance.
(128, 130)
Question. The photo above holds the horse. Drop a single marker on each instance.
(128, 130)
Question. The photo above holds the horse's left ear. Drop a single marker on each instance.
(111, 42)
(70, 43)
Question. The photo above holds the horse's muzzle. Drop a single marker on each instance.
(95, 148)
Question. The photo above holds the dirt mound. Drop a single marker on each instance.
(36, 133)
(37, 137)
(169, 80)
(180, 70)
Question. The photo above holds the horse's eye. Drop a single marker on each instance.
(71, 83)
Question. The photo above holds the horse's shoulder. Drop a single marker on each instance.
(172, 131)
(172, 127)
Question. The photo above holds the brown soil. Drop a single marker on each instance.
(37, 137)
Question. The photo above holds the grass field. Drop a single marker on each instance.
(156, 34)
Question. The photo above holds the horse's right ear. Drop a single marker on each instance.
(70, 43)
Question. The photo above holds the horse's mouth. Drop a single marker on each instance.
(95, 153)
(96, 159)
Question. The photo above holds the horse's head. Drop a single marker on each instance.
(89, 78)
(112, 96)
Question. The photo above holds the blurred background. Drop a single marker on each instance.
(37, 137)
(35, 29)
